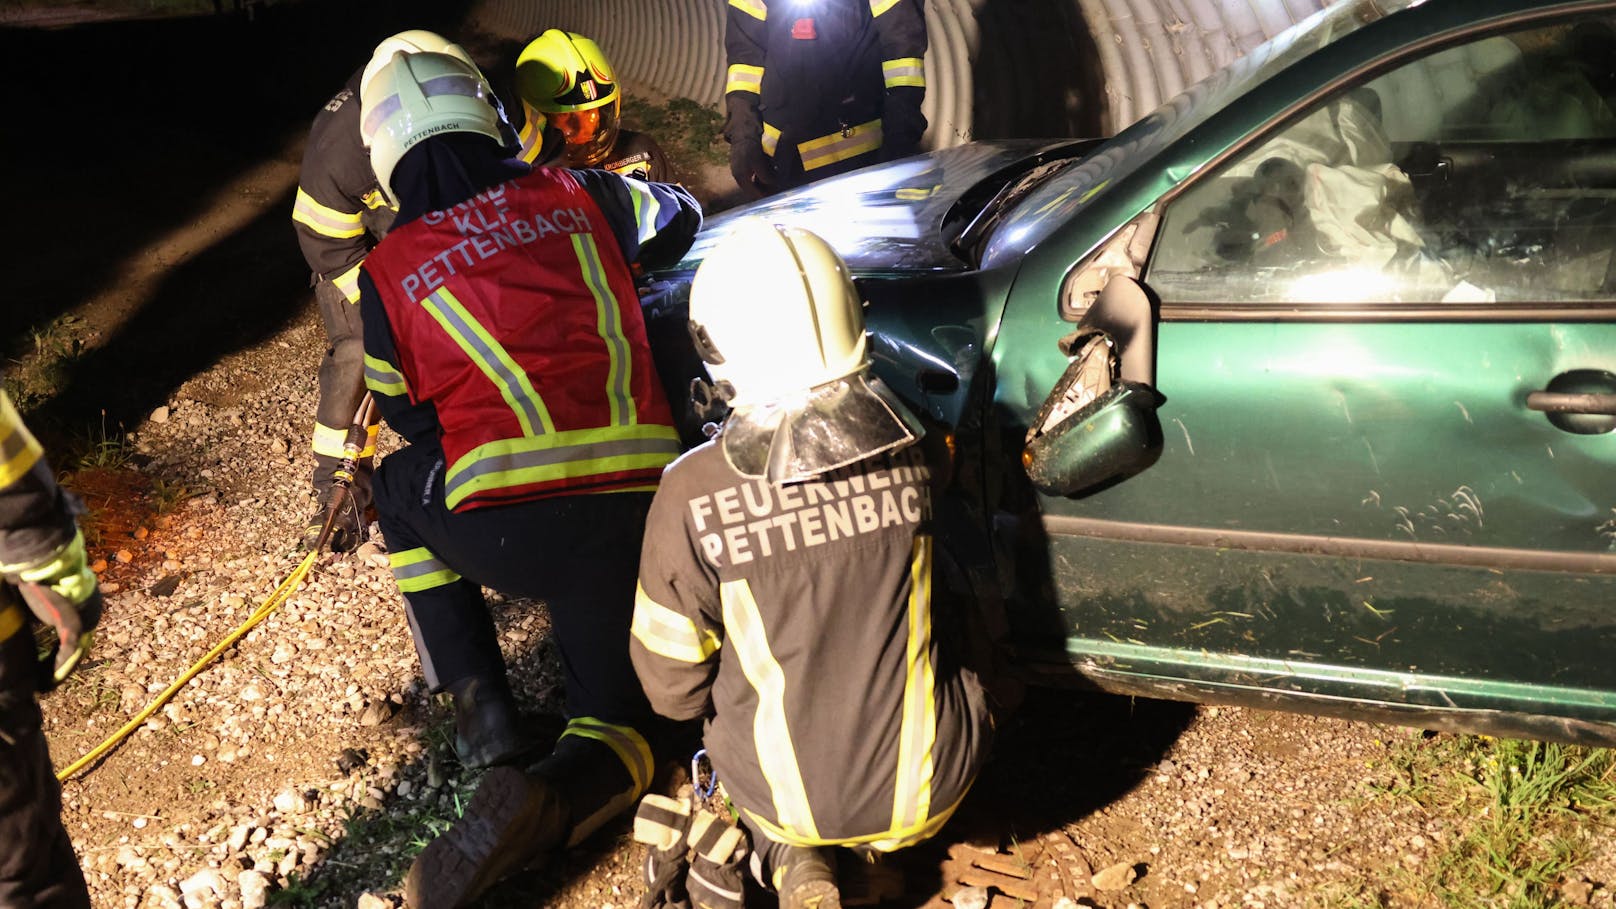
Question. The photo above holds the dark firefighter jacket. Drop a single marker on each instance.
(802, 621)
(825, 85)
(501, 322)
(36, 516)
(340, 212)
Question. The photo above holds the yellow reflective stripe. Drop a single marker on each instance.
(10, 621)
(754, 8)
(348, 283)
(630, 747)
(777, 756)
(885, 841)
(609, 318)
(328, 440)
(376, 199)
(911, 791)
(491, 358)
(666, 632)
(418, 569)
(743, 78)
(532, 134)
(904, 71)
(646, 209)
(560, 456)
(19, 450)
(383, 377)
(771, 139)
(866, 137)
(325, 221)
(877, 7)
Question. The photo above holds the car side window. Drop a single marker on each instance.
(1480, 173)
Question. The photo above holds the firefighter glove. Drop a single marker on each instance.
(61, 591)
(902, 123)
(753, 170)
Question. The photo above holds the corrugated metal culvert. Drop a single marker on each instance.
(995, 68)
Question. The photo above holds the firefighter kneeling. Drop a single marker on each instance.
(504, 342)
(786, 588)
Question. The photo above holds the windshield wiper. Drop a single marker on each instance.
(1005, 199)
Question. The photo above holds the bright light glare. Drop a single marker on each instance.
(1347, 285)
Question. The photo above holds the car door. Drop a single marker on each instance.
(1386, 358)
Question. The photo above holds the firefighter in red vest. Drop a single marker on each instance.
(820, 87)
(504, 342)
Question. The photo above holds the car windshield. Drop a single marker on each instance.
(1051, 204)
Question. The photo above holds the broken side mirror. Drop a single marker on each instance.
(1099, 423)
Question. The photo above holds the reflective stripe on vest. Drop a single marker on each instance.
(560, 456)
(911, 792)
(609, 319)
(743, 78)
(18, 449)
(491, 358)
(857, 140)
(777, 755)
(324, 220)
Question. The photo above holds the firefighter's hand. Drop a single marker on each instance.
(753, 170)
(62, 592)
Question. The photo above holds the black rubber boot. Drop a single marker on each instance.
(487, 727)
(805, 878)
(514, 821)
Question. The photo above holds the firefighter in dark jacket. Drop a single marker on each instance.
(820, 87)
(44, 571)
(787, 587)
(504, 342)
(340, 214)
(572, 104)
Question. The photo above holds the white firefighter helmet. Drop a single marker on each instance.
(777, 319)
(413, 41)
(416, 95)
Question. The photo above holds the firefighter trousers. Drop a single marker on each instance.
(38, 869)
(579, 554)
(342, 386)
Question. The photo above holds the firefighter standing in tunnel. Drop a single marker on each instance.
(340, 214)
(43, 564)
(820, 87)
(504, 342)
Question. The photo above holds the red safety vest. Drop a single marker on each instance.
(515, 314)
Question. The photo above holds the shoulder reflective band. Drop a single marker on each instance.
(668, 633)
(418, 569)
(491, 358)
(384, 378)
(743, 78)
(777, 756)
(757, 9)
(911, 795)
(18, 449)
(904, 71)
(850, 143)
(325, 221)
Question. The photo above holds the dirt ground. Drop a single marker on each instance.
(152, 270)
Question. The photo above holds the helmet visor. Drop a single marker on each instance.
(589, 134)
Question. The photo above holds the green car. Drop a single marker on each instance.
(1299, 392)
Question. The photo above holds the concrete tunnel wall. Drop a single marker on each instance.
(994, 68)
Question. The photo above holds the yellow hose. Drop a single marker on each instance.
(262, 612)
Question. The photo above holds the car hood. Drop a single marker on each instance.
(887, 218)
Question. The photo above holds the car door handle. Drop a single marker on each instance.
(1570, 402)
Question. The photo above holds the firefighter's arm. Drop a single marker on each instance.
(654, 223)
(901, 25)
(677, 629)
(744, 51)
(41, 551)
(332, 198)
(416, 422)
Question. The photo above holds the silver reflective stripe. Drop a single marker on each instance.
(611, 329)
(492, 359)
(561, 454)
(419, 569)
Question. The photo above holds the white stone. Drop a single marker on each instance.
(254, 890)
